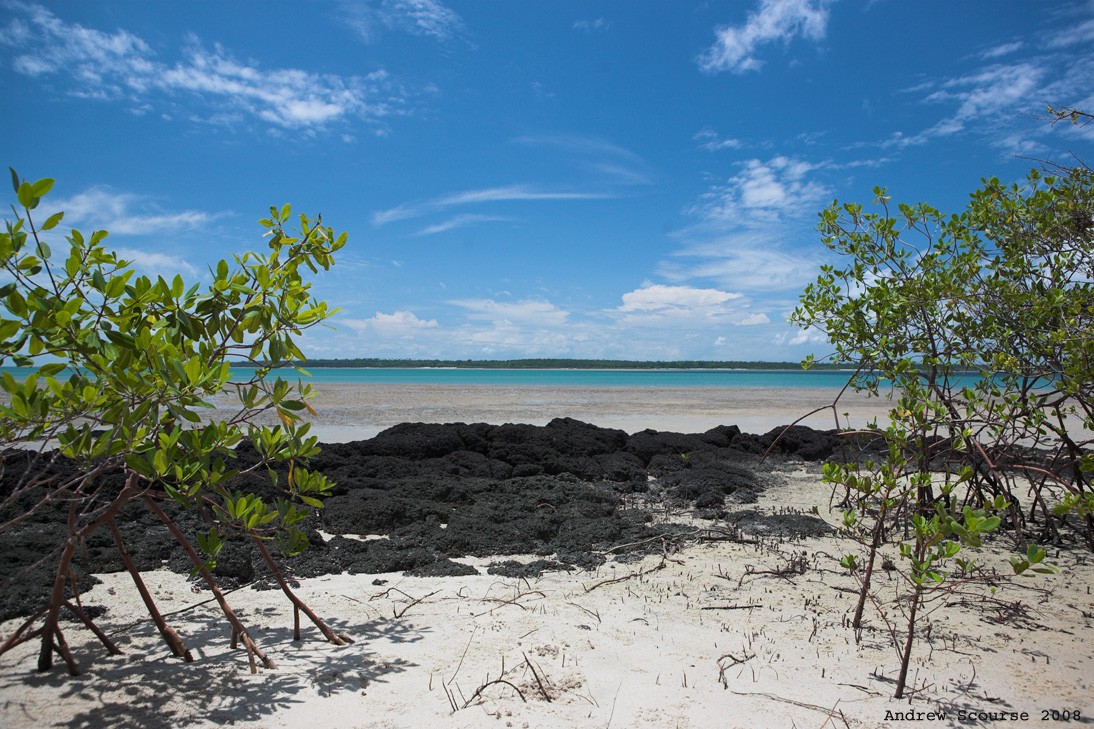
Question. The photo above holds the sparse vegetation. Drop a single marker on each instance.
(917, 300)
(123, 364)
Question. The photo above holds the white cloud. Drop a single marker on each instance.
(752, 233)
(472, 197)
(123, 66)
(660, 298)
(749, 260)
(1004, 49)
(460, 221)
(427, 18)
(775, 20)
(709, 140)
(802, 336)
(997, 101)
(761, 191)
(125, 213)
(512, 192)
(153, 263)
(396, 324)
(528, 311)
(592, 26)
(658, 305)
(615, 164)
(1072, 35)
(100, 62)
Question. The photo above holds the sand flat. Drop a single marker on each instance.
(352, 412)
(711, 633)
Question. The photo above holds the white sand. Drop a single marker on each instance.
(353, 412)
(640, 652)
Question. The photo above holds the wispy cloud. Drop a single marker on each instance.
(998, 96)
(762, 262)
(760, 192)
(396, 324)
(747, 233)
(124, 213)
(122, 66)
(592, 26)
(735, 47)
(426, 18)
(529, 311)
(613, 164)
(710, 140)
(986, 97)
(1001, 50)
(129, 215)
(153, 263)
(472, 197)
(460, 221)
(1074, 34)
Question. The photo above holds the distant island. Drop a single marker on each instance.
(552, 364)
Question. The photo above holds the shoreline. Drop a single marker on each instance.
(348, 412)
(705, 635)
(709, 629)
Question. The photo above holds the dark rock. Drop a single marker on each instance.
(802, 442)
(788, 526)
(520, 570)
(442, 568)
(437, 492)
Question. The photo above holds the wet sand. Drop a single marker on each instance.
(349, 412)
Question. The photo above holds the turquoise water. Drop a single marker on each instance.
(578, 378)
(559, 378)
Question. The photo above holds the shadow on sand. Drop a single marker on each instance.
(154, 690)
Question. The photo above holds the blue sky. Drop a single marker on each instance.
(625, 180)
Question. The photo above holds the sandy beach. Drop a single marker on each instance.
(352, 412)
(718, 629)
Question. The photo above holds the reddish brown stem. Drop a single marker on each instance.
(19, 636)
(875, 544)
(90, 624)
(906, 655)
(237, 626)
(62, 648)
(170, 637)
(56, 599)
(298, 604)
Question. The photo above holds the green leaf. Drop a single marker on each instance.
(42, 187)
(52, 221)
(26, 196)
(52, 368)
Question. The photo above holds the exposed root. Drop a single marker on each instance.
(298, 604)
(239, 632)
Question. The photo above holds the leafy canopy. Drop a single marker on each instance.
(123, 365)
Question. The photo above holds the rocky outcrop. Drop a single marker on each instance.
(419, 495)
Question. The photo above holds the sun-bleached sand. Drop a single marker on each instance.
(750, 632)
(352, 412)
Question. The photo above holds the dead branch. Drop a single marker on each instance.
(479, 690)
(413, 600)
(728, 607)
(830, 713)
(723, 667)
(629, 576)
(539, 681)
